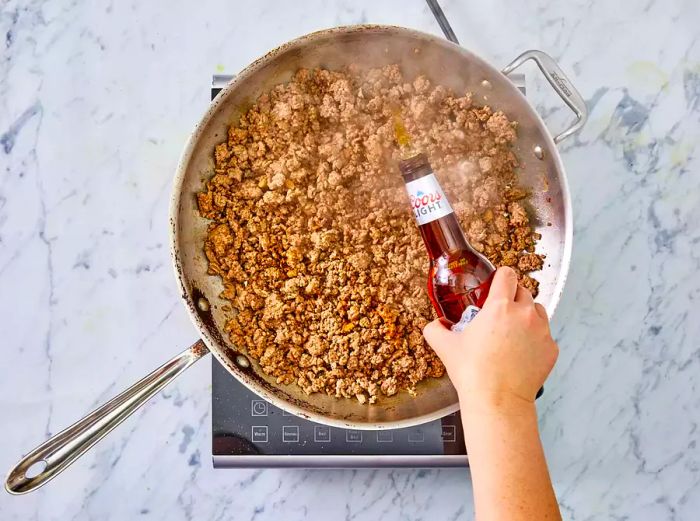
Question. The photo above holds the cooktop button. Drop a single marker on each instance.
(258, 408)
(322, 434)
(416, 437)
(353, 436)
(385, 436)
(259, 433)
(290, 434)
(448, 433)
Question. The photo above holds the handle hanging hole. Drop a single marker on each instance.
(35, 469)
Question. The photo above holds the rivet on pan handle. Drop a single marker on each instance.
(64, 448)
(560, 83)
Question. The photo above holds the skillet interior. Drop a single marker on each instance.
(444, 63)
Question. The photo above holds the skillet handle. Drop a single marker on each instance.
(560, 83)
(64, 448)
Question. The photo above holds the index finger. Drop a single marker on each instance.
(504, 285)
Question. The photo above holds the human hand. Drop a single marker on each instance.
(504, 355)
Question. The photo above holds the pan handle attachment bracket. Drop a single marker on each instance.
(53, 456)
(560, 83)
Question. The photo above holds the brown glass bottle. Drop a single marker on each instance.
(459, 277)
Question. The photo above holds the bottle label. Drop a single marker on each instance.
(428, 201)
(467, 316)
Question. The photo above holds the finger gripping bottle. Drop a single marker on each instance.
(459, 277)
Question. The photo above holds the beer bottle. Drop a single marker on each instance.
(459, 276)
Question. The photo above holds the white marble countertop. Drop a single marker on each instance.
(96, 101)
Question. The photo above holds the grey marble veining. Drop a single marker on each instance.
(96, 101)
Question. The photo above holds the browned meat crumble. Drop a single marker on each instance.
(313, 238)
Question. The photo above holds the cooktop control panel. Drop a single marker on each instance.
(249, 431)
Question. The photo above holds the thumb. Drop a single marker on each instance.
(440, 338)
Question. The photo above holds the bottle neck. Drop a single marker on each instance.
(435, 218)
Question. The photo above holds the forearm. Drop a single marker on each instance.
(509, 471)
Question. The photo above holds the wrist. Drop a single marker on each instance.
(494, 403)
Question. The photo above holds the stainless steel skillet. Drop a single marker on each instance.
(443, 62)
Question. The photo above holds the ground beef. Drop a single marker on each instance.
(314, 240)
